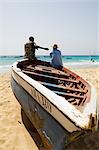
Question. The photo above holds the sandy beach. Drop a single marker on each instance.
(91, 75)
(13, 134)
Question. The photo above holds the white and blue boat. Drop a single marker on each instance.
(58, 102)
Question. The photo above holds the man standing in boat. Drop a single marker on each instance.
(30, 48)
(56, 56)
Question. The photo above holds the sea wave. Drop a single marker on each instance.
(5, 68)
(81, 64)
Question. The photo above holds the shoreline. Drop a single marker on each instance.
(70, 65)
(13, 134)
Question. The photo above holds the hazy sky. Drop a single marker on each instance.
(72, 24)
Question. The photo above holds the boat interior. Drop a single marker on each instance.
(63, 82)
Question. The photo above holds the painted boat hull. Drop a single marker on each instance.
(51, 132)
(48, 117)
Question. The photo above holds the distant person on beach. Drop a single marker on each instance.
(92, 59)
(30, 48)
(56, 56)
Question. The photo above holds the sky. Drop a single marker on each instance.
(72, 24)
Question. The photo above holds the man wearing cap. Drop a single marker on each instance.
(30, 48)
(56, 56)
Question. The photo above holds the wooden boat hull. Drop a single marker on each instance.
(49, 118)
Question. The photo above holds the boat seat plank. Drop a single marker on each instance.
(47, 70)
(69, 95)
(50, 73)
(41, 67)
(50, 77)
(63, 87)
(53, 70)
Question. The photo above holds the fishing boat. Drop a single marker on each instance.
(58, 102)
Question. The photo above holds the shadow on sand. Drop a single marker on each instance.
(32, 130)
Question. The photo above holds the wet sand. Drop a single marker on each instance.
(13, 134)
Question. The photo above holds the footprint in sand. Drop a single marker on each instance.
(2, 141)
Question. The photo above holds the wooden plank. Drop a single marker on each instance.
(49, 70)
(63, 87)
(50, 77)
(67, 94)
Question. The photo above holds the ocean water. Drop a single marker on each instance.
(68, 61)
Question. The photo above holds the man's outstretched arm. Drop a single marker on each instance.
(42, 48)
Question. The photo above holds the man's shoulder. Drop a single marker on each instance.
(28, 43)
(58, 50)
